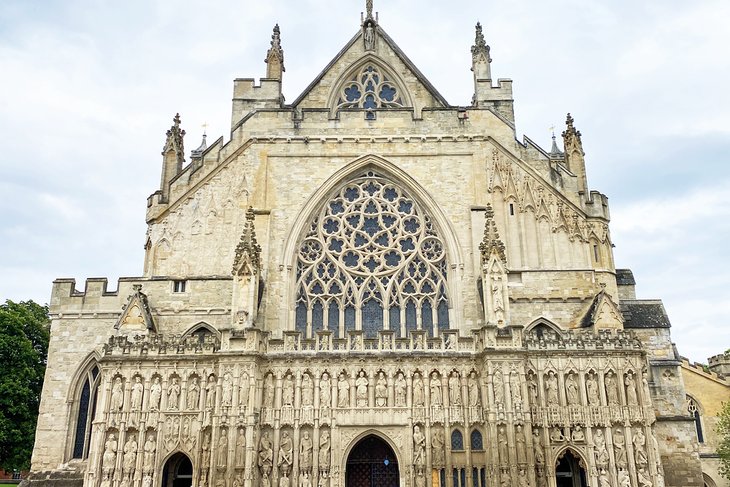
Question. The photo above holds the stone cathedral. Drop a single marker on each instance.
(367, 287)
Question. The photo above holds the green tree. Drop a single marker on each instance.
(723, 436)
(24, 334)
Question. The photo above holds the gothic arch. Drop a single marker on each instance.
(381, 436)
(82, 402)
(396, 175)
(162, 465)
(200, 326)
(575, 452)
(542, 321)
(356, 68)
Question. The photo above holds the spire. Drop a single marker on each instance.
(480, 60)
(198, 153)
(174, 141)
(491, 243)
(275, 56)
(574, 155)
(555, 153)
(248, 252)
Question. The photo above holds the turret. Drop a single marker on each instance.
(485, 95)
(173, 157)
(575, 157)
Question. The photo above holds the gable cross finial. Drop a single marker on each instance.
(572, 142)
(368, 9)
(174, 140)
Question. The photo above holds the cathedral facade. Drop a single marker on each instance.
(367, 286)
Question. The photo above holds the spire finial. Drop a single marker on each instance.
(275, 56)
(174, 140)
(368, 9)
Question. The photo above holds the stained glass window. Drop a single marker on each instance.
(371, 259)
(85, 415)
(369, 89)
(476, 440)
(457, 440)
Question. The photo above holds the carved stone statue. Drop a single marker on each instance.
(287, 391)
(227, 393)
(130, 457)
(643, 477)
(222, 451)
(497, 298)
(640, 448)
(537, 445)
(532, 389)
(381, 390)
(155, 394)
(307, 390)
(400, 390)
(109, 458)
(305, 452)
(503, 446)
(150, 446)
(551, 389)
(137, 393)
(623, 478)
(369, 37)
(269, 391)
(437, 447)
(577, 435)
(619, 448)
(556, 435)
(522, 480)
(601, 451)
(419, 447)
(343, 392)
(454, 389)
(611, 389)
(603, 479)
(210, 393)
(498, 386)
(630, 384)
(504, 479)
(117, 399)
(243, 391)
(515, 388)
(173, 394)
(592, 390)
(571, 390)
(324, 449)
(435, 388)
(520, 443)
(325, 391)
(474, 395)
(418, 393)
(361, 390)
(193, 395)
(286, 452)
(266, 455)
(241, 448)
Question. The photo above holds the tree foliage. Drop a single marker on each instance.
(24, 334)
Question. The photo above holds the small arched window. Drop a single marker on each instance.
(85, 415)
(457, 440)
(476, 440)
(694, 410)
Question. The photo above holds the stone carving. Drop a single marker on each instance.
(474, 394)
(173, 394)
(193, 394)
(592, 390)
(381, 390)
(601, 452)
(498, 385)
(286, 453)
(155, 394)
(437, 446)
(238, 481)
(419, 399)
(265, 460)
(130, 456)
(537, 445)
(325, 391)
(243, 394)
(287, 391)
(305, 452)
(611, 389)
(515, 388)
(324, 450)
(109, 458)
(556, 435)
(571, 390)
(521, 445)
(630, 384)
(137, 393)
(551, 389)
(117, 399)
(269, 391)
(643, 477)
(640, 448)
(361, 390)
(307, 390)
(435, 389)
(504, 478)
(419, 447)
(150, 447)
(210, 393)
(241, 448)
(503, 446)
(603, 480)
(227, 389)
(532, 389)
(522, 480)
(623, 478)
(454, 389)
(369, 37)
(577, 434)
(222, 450)
(343, 391)
(400, 390)
(147, 481)
(619, 448)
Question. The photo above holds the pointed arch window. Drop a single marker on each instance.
(694, 410)
(85, 414)
(371, 259)
(369, 88)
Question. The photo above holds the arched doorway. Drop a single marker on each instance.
(371, 463)
(178, 471)
(569, 472)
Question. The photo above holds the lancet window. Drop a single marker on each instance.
(694, 410)
(369, 89)
(85, 414)
(371, 259)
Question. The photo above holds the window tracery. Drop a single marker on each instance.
(85, 414)
(694, 410)
(370, 89)
(371, 259)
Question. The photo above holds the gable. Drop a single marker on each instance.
(415, 90)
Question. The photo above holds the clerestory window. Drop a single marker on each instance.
(371, 259)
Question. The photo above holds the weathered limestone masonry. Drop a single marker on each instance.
(368, 285)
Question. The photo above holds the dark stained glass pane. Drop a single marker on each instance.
(427, 316)
(410, 315)
(333, 317)
(476, 440)
(372, 318)
(301, 318)
(457, 440)
(395, 319)
(349, 318)
(443, 315)
(317, 317)
(82, 418)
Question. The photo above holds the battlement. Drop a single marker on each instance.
(705, 371)
(720, 364)
(248, 96)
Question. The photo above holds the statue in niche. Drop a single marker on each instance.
(241, 447)
(193, 395)
(419, 447)
(435, 389)
(498, 385)
(503, 446)
(369, 37)
(324, 450)
(601, 451)
(186, 435)
(117, 399)
(643, 477)
(623, 478)
(611, 389)
(307, 390)
(222, 452)
(532, 389)
(210, 393)
(592, 390)
(630, 384)
(265, 482)
(361, 390)
(504, 479)
(619, 448)
(537, 445)
(420, 479)
(343, 392)
(551, 389)
(400, 390)
(325, 391)
(571, 390)
(147, 481)
(130, 456)
(221, 482)
(556, 435)
(640, 447)
(437, 447)
(520, 442)
(109, 458)
(603, 480)
(227, 394)
(286, 452)
(150, 446)
(106, 482)
(305, 452)
(287, 391)
(173, 394)
(266, 455)
(238, 481)
(137, 393)
(419, 399)
(243, 391)
(206, 450)
(578, 435)
(304, 480)
(269, 391)
(522, 480)
(515, 388)
(473, 385)
(645, 385)
(381, 390)
(418, 342)
(155, 394)
(454, 389)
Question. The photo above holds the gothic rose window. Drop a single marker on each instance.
(369, 89)
(371, 259)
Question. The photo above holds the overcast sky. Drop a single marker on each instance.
(89, 88)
